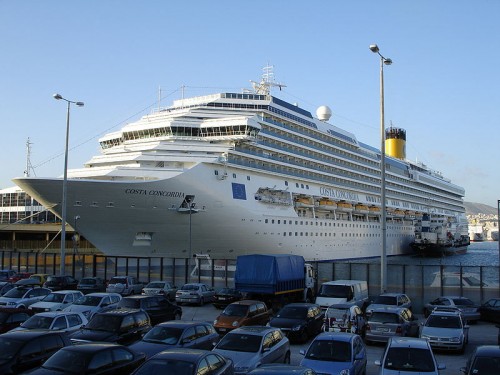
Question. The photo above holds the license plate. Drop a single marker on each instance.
(383, 329)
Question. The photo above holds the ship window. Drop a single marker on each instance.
(248, 178)
(216, 172)
(110, 204)
(265, 221)
(296, 234)
(302, 186)
(78, 203)
(286, 183)
(234, 175)
(296, 184)
(279, 221)
(272, 221)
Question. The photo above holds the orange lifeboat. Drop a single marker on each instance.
(327, 204)
(345, 207)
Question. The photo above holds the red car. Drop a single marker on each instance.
(19, 276)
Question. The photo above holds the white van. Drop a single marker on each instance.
(342, 291)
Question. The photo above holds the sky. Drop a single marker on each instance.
(117, 56)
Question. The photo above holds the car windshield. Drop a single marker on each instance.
(156, 285)
(88, 300)
(463, 302)
(87, 281)
(190, 287)
(130, 302)
(235, 310)
(54, 297)
(68, 361)
(9, 347)
(383, 317)
(107, 323)
(240, 342)
(38, 322)
(118, 280)
(54, 279)
(16, 292)
(441, 321)
(386, 300)
(292, 312)
(226, 291)
(337, 314)
(409, 359)
(328, 350)
(166, 335)
(166, 366)
(336, 291)
(486, 366)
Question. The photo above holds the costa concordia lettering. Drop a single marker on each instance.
(255, 174)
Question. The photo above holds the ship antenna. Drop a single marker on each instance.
(29, 166)
(264, 86)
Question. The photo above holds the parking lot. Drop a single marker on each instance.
(479, 334)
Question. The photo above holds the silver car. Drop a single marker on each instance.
(93, 303)
(389, 299)
(385, 322)
(408, 356)
(23, 296)
(251, 346)
(446, 330)
(165, 288)
(55, 320)
(197, 293)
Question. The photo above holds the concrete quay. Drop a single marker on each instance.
(482, 333)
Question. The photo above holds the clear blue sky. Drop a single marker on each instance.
(443, 87)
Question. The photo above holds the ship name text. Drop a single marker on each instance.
(158, 193)
(339, 194)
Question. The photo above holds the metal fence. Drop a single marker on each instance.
(422, 283)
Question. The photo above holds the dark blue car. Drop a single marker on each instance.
(177, 334)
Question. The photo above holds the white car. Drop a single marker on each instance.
(93, 303)
(56, 301)
(23, 296)
(55, 320)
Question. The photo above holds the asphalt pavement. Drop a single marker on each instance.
(481, 333)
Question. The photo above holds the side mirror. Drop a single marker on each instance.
(302, 351)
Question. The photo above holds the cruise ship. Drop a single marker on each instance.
(239, 173)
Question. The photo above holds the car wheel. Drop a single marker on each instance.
(287, 358)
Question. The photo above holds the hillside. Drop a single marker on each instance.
(479, 208)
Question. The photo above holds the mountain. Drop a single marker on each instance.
(479, 208)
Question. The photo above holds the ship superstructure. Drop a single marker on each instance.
(234, 173)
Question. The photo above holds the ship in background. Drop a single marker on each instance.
(238, 173)
(477, 231)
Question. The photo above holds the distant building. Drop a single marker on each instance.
(17, 207)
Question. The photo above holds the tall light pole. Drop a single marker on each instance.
(62, 268)
(383, 256)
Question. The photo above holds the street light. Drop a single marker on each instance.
(383, 257)
(62, 269)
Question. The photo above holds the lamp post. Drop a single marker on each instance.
(383, 256)
(62, 268)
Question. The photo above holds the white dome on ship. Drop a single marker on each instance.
(324, 113)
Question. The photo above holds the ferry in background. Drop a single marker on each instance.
(238, 173)
(476, 231)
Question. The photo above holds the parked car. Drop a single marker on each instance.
(91, 285)
(23, 296)
(121, 326)
(225, 296)
(196, 293)
(92, 358)
(242, 313)
(124, 285)
(490, 310)
(345, 317)
(177, 334)
(389, 299)
(385, 322)
(336, 353)
(251, 346)
(55, 320)
(408, 356)
(23, 350)
(5, 275)
(93, 303)
(19, 276)
(485, 359)
(12, 318)
(56, 301)
(5, 286)
(446, 330)
(35, 279)
(470, 311)
(186, 361)
(158, 307)
(165, 288)
(299, 321)
(282, 369)
(61, 282)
